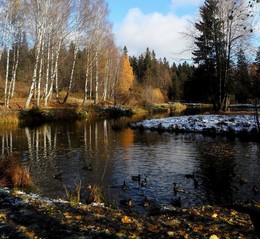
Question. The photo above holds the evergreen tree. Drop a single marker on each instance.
(206, 52)
(223, 26)
(256, 76)
(242, 79)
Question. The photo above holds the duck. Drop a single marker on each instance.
(58, 176)
(187, 176)
(137, 178)
(177, 190)
(243, 181)
(126, 202)
(124, 186)
(144, 183)
(145, 202)
(88, 167)
(176, 202)
(196, 183)
(255, 189)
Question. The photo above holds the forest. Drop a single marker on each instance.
(57, 48)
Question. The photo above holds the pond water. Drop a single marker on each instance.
(118, 153)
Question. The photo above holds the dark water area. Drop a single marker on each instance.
(116, 153)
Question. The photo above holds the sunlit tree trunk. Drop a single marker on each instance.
(86, 80)
(14, 71)
(35, 70)
(6, 76)
(96, 78)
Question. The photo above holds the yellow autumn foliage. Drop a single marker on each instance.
(126, 76)
(153, 95)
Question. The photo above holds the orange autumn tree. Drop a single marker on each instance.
(125, 79)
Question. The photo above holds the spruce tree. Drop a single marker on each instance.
(206, 52)
(242, 79)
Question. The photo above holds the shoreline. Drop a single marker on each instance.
(230, 125)
(31, 216)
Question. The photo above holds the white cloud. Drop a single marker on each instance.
(184, 3)
(161, 33)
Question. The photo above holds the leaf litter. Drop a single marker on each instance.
(31, 216)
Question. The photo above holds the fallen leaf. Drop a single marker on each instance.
(215, 215)
(126, 219)
(213, 237)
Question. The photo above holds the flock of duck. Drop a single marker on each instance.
(176, 201)
(143, 182)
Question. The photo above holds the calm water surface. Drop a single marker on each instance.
(115, 155)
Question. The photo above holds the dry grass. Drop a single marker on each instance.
(178, 107)
(75, 195)
(96, 193)
(14, 174)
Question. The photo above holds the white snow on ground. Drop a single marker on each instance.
(235, 124)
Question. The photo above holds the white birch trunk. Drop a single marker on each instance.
(40, 78)
(47, 69)
(6, 77)
(71, 74)
(34, 79)
(86, 80)
(96, 78)
(54, 74)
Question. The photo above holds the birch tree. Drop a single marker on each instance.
(57, 33)
(81, 18)
(39, 10)
(11, 31)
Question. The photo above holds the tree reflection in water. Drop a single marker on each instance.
(116, 155)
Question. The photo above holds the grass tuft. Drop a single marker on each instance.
(14, 174)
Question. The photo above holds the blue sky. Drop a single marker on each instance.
(157, 24)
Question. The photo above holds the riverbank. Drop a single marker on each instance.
(231, 125)
(31, 216)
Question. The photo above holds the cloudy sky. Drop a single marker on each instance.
(157, 24)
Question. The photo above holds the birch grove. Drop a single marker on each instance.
(51, 26)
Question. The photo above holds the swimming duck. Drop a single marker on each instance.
(196, 183)
(88, 167)
(145, 202)
(126, 202)
(177, 190)
(144, 183)
(137, 178)
(176, 202)
(255, 189)
(187, 176)
(243, 181)
(58, 176)
(124, 187)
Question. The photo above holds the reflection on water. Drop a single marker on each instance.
(117, 153)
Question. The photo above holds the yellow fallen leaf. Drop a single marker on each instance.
(67, 215)
(215, 215)
(213, 237)
(126, 219)
(233, 213)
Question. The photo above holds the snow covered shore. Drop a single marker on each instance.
(232, 125)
